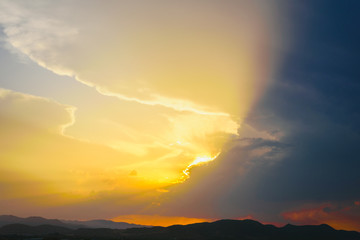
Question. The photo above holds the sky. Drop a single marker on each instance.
(174, 112)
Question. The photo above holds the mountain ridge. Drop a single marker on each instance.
(72, 224)
(226, 229)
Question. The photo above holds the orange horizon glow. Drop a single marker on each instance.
(340, 219)
(157, 220)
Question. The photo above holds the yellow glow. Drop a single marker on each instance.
(172, 82)
(199, 160)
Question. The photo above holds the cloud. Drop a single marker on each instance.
(133, 173)
(224, 188)
(64, 187)
(192, 70)
(25, 27)
(147, 53)
(344, 217)
(186, 81)
(301, 165)
(45, 172)
(36, 111)
(313, 159)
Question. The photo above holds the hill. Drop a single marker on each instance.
(219, 230)
(37, 221)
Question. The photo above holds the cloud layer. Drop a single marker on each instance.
(192, 70)
(178, 82)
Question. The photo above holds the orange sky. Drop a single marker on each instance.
(156, 220)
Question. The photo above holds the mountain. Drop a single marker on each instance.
(241, 229)
(37, 221)
(219, 230)
(22, 229)
(31, 221)
(103, 224)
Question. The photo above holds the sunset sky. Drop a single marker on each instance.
(166, 112)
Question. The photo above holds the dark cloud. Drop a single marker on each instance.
(314, 107)
(316, 99)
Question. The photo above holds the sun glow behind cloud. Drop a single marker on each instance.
(174, 81)
(199, 160)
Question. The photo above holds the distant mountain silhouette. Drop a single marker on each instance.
(100, 223)
(23, 229)
(37, 221)
(242, 229)
(219, 230)
(31, 221)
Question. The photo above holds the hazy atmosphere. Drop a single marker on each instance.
(175, 112)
